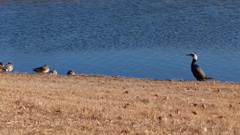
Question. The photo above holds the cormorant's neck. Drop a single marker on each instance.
(194, 62)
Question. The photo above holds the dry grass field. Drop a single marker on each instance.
(104, 105)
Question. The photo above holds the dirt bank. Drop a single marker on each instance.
(95, 104)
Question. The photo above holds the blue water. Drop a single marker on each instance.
(137, 38)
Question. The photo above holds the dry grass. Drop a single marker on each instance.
(94, 104)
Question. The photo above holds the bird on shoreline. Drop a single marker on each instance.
(8, 68)
(71, 72)
(53, 72)
(1, 66)
(42, 70)
(196, 70)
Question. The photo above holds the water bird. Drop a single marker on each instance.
(71, 72)
(8, 68)
(53, 72)
(42, 70)
(1, 66)
(196, 70)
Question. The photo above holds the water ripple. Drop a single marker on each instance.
(138, 38)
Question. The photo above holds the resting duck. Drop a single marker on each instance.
(71, 72)
(53, 72)
(1, 66)
(8, 67)
(42, 70)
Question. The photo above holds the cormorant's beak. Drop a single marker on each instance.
(188, 54)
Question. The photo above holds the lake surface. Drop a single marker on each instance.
(137, 38)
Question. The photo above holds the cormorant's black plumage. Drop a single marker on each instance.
(196, 70)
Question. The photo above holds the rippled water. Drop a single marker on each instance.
(137, 38)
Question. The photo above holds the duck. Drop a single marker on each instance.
(1, 66)
(71, 72)
(42, 70)
(53, 72)
(8, 68)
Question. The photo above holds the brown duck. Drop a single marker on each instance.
(1, 66)
(42, 70)
(71, 72)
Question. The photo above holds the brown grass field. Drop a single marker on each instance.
(106, 105)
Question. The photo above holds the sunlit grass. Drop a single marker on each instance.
(95, 104)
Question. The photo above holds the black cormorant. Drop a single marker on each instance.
(196, 70)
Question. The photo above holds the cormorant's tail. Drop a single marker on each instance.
(209, 77)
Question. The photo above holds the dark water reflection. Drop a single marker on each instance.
(138, 38)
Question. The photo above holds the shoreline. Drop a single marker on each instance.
(100, 75)
(98, 104)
